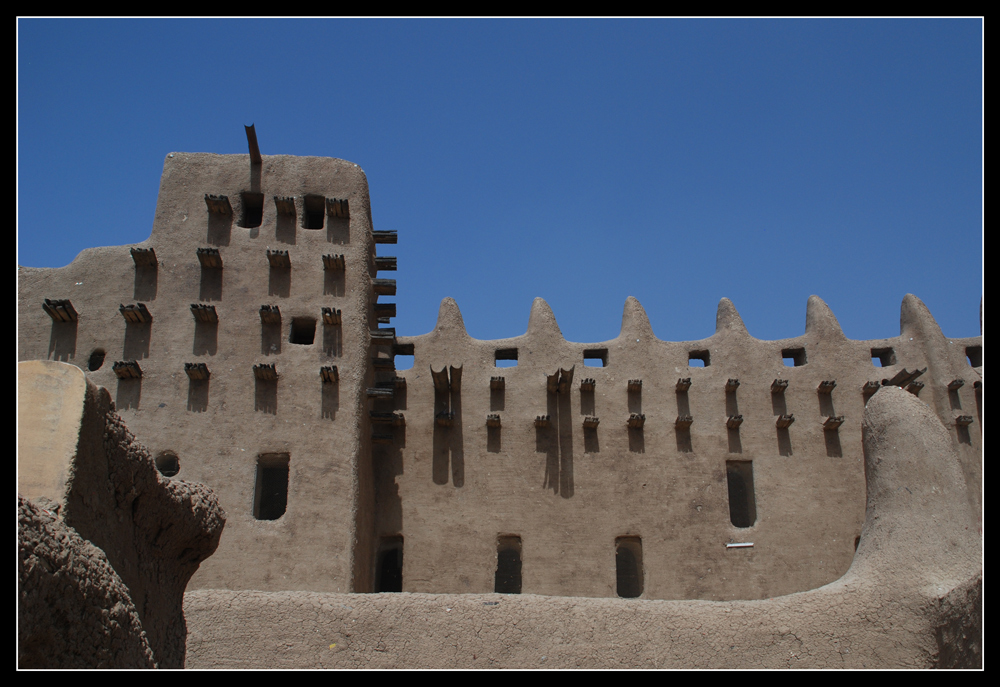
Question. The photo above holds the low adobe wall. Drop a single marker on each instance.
(912, 598)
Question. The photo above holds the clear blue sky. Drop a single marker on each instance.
(583, 161)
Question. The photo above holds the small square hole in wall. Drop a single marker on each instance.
(975, 355)
(595, 357)
(404, 362)
(698, 359)
(303, 330)
(253, 209)
(313, 212)
(883, 357)
(506, 357)
(794, 357)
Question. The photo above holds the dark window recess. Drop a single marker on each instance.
(508, 576)
(698, 359)
(168, 464)
(628, 567)
(96, 359)
(742, 505)
(793, 357)
(595, 357)
(389, 565)
(506, 357)
(314, 209)
(271, 492)
(975, 355)
(884, 357)
(303, 331)
(253, 209)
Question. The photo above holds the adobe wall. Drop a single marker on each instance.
(369, 461)
(218, 427)
(569, 491)
(912, 598)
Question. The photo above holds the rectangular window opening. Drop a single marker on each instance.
(628, 567)
(389, 564)
(742, 504)
(253, 209)
(506, 357)
(595, 357)
(270, 498)
(975, 355)
(508, 575)
(303, 331)
(883, 357)
(793, 357)
(404, 362)
(698, 359)
(314, 210)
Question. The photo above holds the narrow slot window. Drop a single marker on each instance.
(628, 567)
(303, 331)
(253, 209)
(506, 357)
(271, 491)
(742, 504)
(508, 575)
(389, 565)
(596, 357)
(314, 209)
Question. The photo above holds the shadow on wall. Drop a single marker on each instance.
(136, 344)
(338, 230)
(555, 439)
(266, 395)
(129, 391)
(145, 283)
(270, 338)
(197, 395)
(220, 227)
(330, 393)
(206, 338)
(62, 341)
(211, 284)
